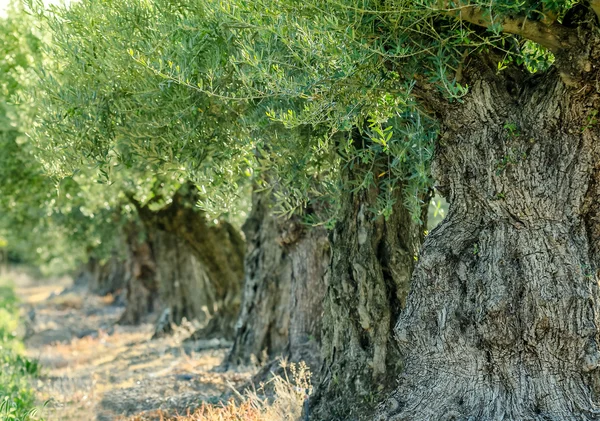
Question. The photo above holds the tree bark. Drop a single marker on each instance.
(131, 267)
(283, 289)
(372, 262)
(142, 284)
(103, 277)
(199, 266)
(502, 317)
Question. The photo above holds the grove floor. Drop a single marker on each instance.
(95, 369)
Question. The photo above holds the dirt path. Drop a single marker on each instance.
(94, 369)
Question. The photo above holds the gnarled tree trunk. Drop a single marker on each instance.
(372, 263)
(199, 266)
(502, 319)
(283, 290)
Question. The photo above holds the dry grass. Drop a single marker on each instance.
(290, 392)
(90, 350)
(77, 373)
(113, 371)
(32, 287)
(66, 301)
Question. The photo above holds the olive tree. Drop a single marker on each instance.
(500, 320)
(157, 145)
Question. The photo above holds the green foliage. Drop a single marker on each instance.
(49, 218)
(532, 56)
(28, 198)
(133, 98)
(290, 64)
(46, 221)
(100, 108)
(226, 90)
(340, 66)
(17, 400)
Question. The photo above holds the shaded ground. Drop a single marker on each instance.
(94, 369)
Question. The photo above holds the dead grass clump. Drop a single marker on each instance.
(290, 392)
(69, 301)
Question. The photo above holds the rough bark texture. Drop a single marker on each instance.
(310, 258)
(199, 266)
(502, 319)
(372, 262)
(283, 289)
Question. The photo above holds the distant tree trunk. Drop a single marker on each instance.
(502, 319)
(372, 262)
(103, 277)
(283, 290)
(199, 266)
(131, 268)
(142, 284)
(85, 273)
(110, 276)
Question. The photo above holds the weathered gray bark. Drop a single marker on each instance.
(199, 267)
(502, 319)
(283, 290)
(372, 262)
(310, 258)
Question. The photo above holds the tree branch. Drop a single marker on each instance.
(554, 37)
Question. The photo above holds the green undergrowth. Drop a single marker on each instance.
(17, 399)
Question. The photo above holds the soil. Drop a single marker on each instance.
(95, 369)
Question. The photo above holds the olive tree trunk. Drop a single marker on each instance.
(502, 319)
(103, 277)
(283, 289)
(110, 276)
(199, 267)
(142, 285)
(131, 269)
(369, 278)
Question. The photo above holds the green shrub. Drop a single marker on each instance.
(17, 399)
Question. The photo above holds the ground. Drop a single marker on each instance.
(95, 369)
